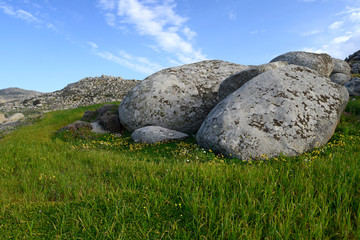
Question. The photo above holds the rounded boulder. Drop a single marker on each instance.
(177, 98)
(287, 111)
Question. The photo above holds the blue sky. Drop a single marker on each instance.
(47, 44)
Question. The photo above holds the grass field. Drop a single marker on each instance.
(87, 186)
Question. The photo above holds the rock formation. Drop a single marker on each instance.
(88, 91)
(287, 110)
(321, 63)
(177, 98)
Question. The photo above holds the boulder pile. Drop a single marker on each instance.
(88, 91)
(289, 106)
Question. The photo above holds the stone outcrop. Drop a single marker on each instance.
(154, 134)
(353, 86)
(177, 98)
(321, 63)
(354, 61)
(234, 82)
(88, 91)
(287, 110)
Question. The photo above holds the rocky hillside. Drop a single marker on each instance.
(88, 91)
(16, 94)
(354, 61)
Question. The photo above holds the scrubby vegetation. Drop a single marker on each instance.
(87, 186)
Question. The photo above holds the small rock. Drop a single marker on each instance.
(154, 134)
(2, 118)
(340, 78)
(15, 117)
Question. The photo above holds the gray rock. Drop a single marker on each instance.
(97, 128)
(234, 82)
(154, 134)
(353, 86)
(177, 98)
(321, 63)
(287, 110)
(340, 66)
(15, 117)
(2, 118)
(340, 78)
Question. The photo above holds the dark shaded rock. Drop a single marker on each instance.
(89, 116)
(75, 126)
(353, 86)
(111, 122)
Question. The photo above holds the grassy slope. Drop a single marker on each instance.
(110, 188)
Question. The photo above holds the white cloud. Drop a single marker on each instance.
(139, 64)
(93, 45)
(20, 14)
(313, 32)
(110, 19)
(160, 22)
(342, 37)
(232, 15)
(336, 25)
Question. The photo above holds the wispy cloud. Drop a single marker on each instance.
(156, 20)
(342, 37)
(20, 14)
(27, 16)
(232, 15)
(139, 64)
(310, 33)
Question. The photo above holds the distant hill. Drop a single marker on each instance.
(16, 94)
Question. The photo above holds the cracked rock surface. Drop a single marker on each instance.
(287, 110)
(177, 98)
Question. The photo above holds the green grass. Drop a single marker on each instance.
(87, 186)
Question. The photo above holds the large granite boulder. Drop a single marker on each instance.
(321, 63)
(353, 86)
(154, 134)
(177, 98)
(234, 82)
(287, 110)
